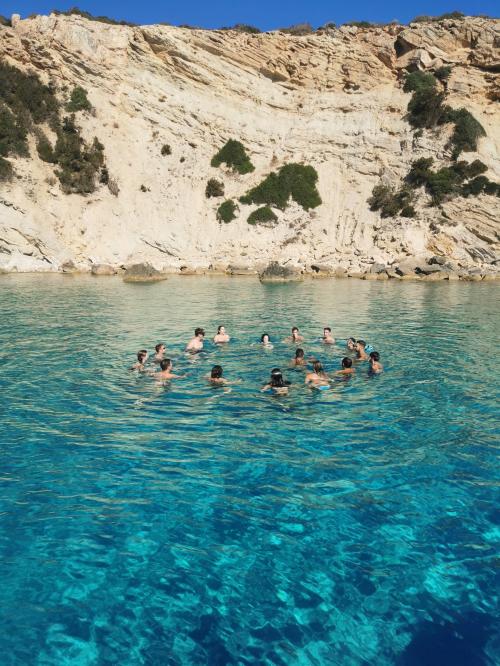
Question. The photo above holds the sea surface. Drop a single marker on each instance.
(165, 524)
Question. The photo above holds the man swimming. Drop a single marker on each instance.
(347, 368)
(221, 336)
(375, 366)
(298, 361)
(196, 343)
(215, 377)
(160, 350)
(317, 377)
(166, 371)
(277, 384)
(361, 354)
(328, 338)
(295, 338)
(142, 357)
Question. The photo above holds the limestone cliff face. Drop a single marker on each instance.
(333, 100)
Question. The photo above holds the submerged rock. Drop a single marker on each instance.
(143, 273)
(277, 273)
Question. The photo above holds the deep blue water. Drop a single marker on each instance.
(185, 524)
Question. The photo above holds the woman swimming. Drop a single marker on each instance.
(317, 377)
(221, 336)
(265, 341)
(299, 361)
(277, 384)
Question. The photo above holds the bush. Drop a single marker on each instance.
(416, 81)
(435, 19)
(390, 202)
(443, 73)
(408, 211)
(298, 29)
(13, 134)
(419, 172)
(214, 188)
(360, 24)
(166, 150)
(234, 155)
(262, 216)
(101, 19)
(250, 29)
(45, 150)
(78, 100)
(26, 96)
(6, 170)
(226, 212)
(441, 184)
(425, 109)
(467, 132)
(79, 162)
(113, 187)
(480, 185)
(5, 21)
(297, 181)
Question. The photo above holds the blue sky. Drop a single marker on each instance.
(265, 14)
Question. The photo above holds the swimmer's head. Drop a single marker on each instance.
(360, 344)
(375, 356)
(160, 347)
(166, 364)
(276, 378)
(317, 367)
(264, 338)
(142, 355)
(216, 372)
(199, 332)
(327, 331)
(351, 343)
(346, 362)
(299, 353)
(220, 330)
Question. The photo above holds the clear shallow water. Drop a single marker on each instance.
(183, 524)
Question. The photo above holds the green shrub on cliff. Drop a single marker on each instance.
(264, 215)
(226, 212)
(467, 132)
(296, 181)
(416, 81)
(391, 202)
(5, 169)
(79, 162)
(234, 155)
(45, 150)
(13, 134)
(78, 100)
(214, 188)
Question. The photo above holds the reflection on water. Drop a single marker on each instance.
(186, 524)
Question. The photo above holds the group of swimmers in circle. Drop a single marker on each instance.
(315, 375)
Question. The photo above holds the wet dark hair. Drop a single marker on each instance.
(165, 364)
(299, 353)
(216, 372)
(159, 346)
(361, 342)
(375, 356)
(295, 329)
(277, 378)
(351, 339)
(263, 336)
(317, 367)
(347, 362)
(327, 328)
(141, 355)
(219, 327)
(198, 331)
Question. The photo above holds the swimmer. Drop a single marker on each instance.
(265, 341)
(317, 377)
(299, 361)
(215, 377)
(277, 384)
(160, 350)
(221, 335)
(196, 343)
(295, 338)
(375, 366)
(328, 339)
(166, 371)
(351, 344)
(361, 354)
(142, 357)
(347, 368)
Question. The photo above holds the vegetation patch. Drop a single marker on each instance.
(263, 215)
(6, 22)
(295, 181)
(226, 212)
(391, 202)
(214, 188)
(74, 11)
(79, 162)
(234, 155)
(78, 100)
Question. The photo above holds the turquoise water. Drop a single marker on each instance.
(185, 524)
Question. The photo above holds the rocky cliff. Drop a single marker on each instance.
(333, 100)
